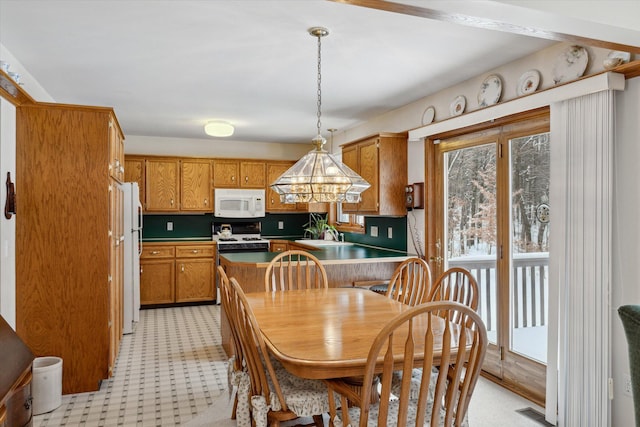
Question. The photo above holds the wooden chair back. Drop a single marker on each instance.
(410, 282)
(254, 349)
(463, 349)
(294, 269)
(456, 284)
(227, 306)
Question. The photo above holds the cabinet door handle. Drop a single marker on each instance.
(182, 268)
(206, 201)
(246, 178)
(141, 271)
(171, 202)
(195, 251)
(155, 252)
(233, 178)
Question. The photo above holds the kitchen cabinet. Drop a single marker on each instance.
(273, 204)
(195, 273)
(172, 184)
(253, 174)
(195, 185)
(157, 274)
(278, 246)
(382, 161)
(65, 303)
(177, 272)
(116, 152)
(134, 172)
(163, 185)
(234, 173)
(116, 276)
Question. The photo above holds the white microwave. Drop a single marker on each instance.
(238, 203)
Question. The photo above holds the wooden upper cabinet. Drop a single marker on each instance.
(162, 185)
(116, 151)
(225, 173)
(253, 174)
(196, 191)
(233, 173)
(382, 161)
(274, 170)
(134, 172)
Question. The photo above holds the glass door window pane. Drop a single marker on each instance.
(471, 223)
(529, 190)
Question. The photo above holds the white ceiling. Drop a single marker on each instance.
(167, 67)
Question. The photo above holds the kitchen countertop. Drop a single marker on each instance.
(175, 239)
(330, 255)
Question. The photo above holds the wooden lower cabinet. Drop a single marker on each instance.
(176, 273)
(278, 246)
(194, 280)
(157, 281)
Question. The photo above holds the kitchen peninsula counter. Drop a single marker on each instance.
(345, 265)
(329, 255)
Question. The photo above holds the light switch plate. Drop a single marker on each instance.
(390, 232)
(169, 226)
(280, 225)
(374, 231)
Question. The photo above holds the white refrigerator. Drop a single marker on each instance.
(132, 250)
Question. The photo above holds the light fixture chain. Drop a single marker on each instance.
(319, 81)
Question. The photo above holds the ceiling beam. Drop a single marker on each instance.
(487, 23)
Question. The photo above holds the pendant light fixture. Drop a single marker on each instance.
(318, 176)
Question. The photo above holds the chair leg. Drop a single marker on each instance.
(235, 407)
(345, 411)
(332, 407)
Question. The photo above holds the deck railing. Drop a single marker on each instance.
(529, 292)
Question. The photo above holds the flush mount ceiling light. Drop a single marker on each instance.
(319, 176)
(218, 128)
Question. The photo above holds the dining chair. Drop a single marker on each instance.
(294, 269)
(410, 282)
(463, 347)
(235, 363)
(455, 284)
(274, 395)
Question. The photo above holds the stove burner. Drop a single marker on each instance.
(227, 239)
(251, 238)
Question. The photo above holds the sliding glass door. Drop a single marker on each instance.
(492, 191)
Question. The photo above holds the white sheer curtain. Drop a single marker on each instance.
(581, 177)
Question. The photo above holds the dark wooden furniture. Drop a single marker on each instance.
(15, 379)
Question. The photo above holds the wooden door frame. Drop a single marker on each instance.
(434, 215)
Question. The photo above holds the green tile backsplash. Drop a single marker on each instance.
(199, 226)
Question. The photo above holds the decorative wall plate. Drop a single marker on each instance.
(458, 105)
(428, 115)
(528, 82)
(490, 91)
(570, 64)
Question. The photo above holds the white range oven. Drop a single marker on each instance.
(242, 236)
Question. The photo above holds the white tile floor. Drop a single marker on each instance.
(172, 368)
(168, 370)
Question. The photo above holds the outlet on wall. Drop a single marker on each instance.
(390, 232)
(280, 225)
(374, 231)
(627, 385)
(169, 226)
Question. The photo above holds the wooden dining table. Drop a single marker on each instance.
(327, 333)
